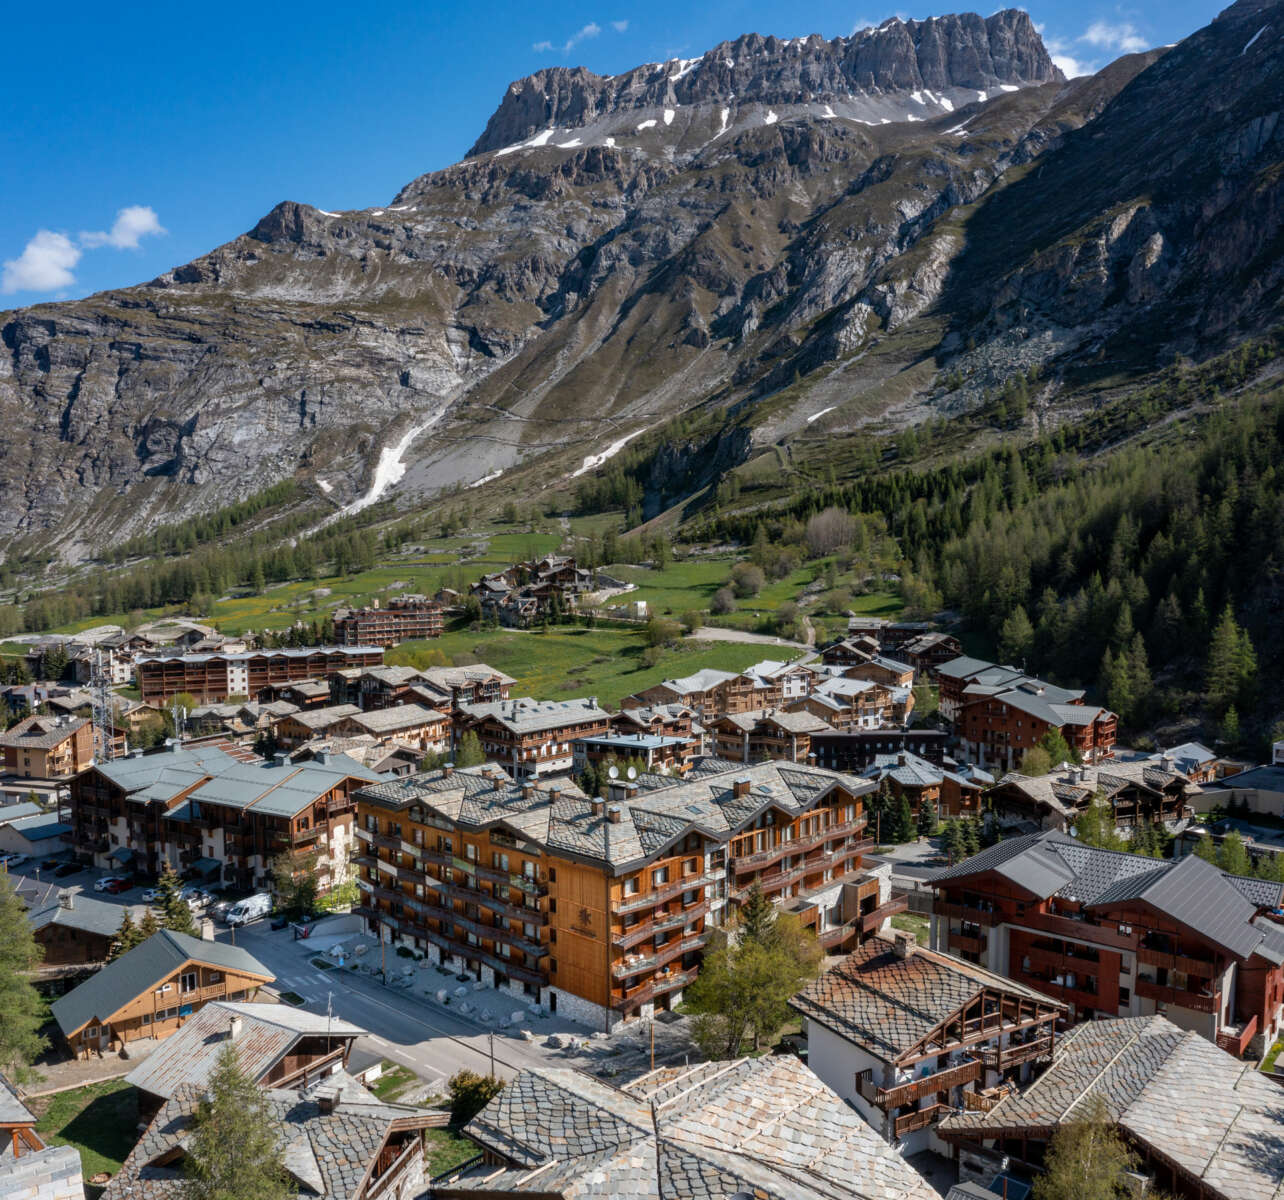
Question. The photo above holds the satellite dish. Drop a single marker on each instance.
(613, 771)
(632, 772)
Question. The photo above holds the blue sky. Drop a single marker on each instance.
(136, 137)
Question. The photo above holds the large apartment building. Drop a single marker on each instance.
(1000, 713)
(210, 815)
(216, 676)
(600, 908)
(48, 747)
(1121, 935)
(403, 618)
(532, 737)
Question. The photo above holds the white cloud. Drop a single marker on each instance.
(43, 266)
(1071, 67)
(591, 30)
(1123, 37)
(542, 47)
(132, 223)
(620, 26)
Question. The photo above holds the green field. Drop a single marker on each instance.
(606, 662)
(99, 1120)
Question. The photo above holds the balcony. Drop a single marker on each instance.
(1202, 968)
(998, 1058)
(836, 935)
(965, 912)
(386, 841)
(636, 934)
(1234, 1040)
(655, 987)
(920, 1119)
(1061, 962)
(964, 943)
(915, 1090)
(475, 895)
(657, 958)
(871, 920)
(1177, 996)
(741, 863)
(662, 893)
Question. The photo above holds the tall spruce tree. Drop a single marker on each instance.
(22, 1011)
(173, 909)
(235, 1151)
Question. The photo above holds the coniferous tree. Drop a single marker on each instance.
(1206, 849)
(127, 936)
(1016, 637)
(1233, 857)
(175, 914)
(904, 828)
(236, 1144)
(469, 753)
(22, 1011)
(756, 920)
(955, 846)
(928, 822)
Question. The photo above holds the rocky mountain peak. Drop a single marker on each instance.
(939, 55)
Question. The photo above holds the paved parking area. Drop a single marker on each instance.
(83, 880)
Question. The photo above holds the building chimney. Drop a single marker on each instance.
(614, 813)
(321, 756)
(280, 758)
(67, 899)
(1165, 762)
(597, 805)
(554, 794)
(528, 791)
(234, 1027)
(901, 760)
(740, 788)
(448, 770)
(328, 1099)
(902, 943)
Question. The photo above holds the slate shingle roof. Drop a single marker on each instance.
(660, 809)
(887, 1004)
(268, 1032)
(1217, 1118)
(765, 1127)
(328, 1154)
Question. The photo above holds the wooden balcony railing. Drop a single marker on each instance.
(965, 943)
(652, 988)
(1199, 967)
(964, 912)
(979, 1102)
(998, 1058)
(662, 893)
(920, 1119)
(915, 1090)
(871, 920)
(635, 935)
(623, 968)
(1171, 995)
(1235, 1041)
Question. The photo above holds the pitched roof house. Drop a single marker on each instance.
(152, 990)
(751, 1127)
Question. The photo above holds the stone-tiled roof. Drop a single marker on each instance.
(1219, 907)
(42, 733)
(328, 1154)
(12, 1109)
(765, 1127)
(525, 715)
(266, 1035)
(1217, 1118)
(653, 813)
(887, 1004)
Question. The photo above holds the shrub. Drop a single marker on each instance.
(470, 1093)
(747, 579)
(724, 601)
(692, 620)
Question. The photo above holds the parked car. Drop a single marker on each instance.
(150, 894)
(12, 860)
(195, 897)
(67, 869)
(116, 886)
(50, 863)
(107, 883)
(280, 921)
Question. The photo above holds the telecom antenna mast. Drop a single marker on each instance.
(103, 712)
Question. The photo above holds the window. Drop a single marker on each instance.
(214, 977)
(552, 875)
(690, 866)
(552, 966)
(470, 852)
(91, 1033)
(1125, 996)
(164, 987)
(660, 876)
(630, 884)
(147, 1018)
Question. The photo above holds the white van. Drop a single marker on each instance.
(249, 909)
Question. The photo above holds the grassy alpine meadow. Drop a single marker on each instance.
(99, 1120)
(567, 660)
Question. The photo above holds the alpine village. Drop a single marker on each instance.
(726, 645)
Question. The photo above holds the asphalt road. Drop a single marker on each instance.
(432, 1043)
